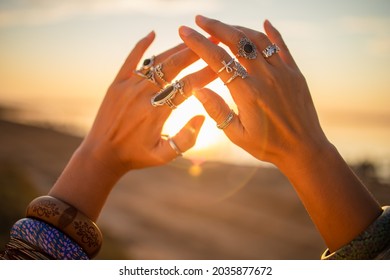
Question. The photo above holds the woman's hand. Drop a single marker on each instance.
(276, 117)
(277, 122)
(127, 130)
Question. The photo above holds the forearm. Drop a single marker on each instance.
(338, 203)
(85, 183)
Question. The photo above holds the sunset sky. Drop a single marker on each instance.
(59, 57)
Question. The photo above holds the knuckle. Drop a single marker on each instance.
(172, 62)
(263, 39)
(187, 85)
(219, 55)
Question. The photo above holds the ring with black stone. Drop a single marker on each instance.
(148, 63)
(246, 49)
(166, 95)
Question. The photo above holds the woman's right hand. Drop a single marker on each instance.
(277, 122)
(276, 118)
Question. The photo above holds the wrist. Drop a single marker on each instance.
(86, 182)
(303, 158)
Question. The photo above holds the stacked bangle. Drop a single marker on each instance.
(69, 220)
(50, 240)
(372, 243)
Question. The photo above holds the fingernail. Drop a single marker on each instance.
(198, 121)
(269, 23)
(186, 31)
(200, 18)
(151, 34)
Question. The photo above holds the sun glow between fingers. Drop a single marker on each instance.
(209, 136)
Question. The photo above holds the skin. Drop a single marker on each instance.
(126, 134)
(277, 122)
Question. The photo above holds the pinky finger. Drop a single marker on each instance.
(134, 57)
(276, 37)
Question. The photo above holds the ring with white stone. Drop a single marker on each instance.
(270, 50)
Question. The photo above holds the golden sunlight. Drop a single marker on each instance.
(209, 134)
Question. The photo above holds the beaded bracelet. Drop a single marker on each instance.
(369, 244)
(69, 220)
(48, 239)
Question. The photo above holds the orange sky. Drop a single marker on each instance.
(52, 51)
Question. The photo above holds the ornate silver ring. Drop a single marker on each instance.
(270, 50)
(246, 49)
(166, 95)
(160, 73)
(239, 70)
(147, 63)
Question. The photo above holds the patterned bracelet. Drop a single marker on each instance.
(69, 220)
(48, 239)
(369, 244)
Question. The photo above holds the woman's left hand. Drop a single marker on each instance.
(126, 134)
(127, 131)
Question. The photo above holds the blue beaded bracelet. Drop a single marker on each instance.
(50, 240)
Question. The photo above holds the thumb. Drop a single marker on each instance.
(186, 137)
(171, 147)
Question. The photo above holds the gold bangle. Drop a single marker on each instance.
(69, 220)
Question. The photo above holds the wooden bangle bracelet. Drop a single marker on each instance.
(69, 220)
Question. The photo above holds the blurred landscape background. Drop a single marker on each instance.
(57, 58)
(185, 210)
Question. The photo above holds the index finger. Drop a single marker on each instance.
(215, 56)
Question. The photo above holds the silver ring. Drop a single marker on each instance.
(246, 49)
(239, 70)
(174, 146)
(270, 50)
(227, 121)
(179, 85)
(160, 73)
(147, 71)
(147, 63)
(166, 95)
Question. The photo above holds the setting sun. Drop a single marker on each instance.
(209, 134)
